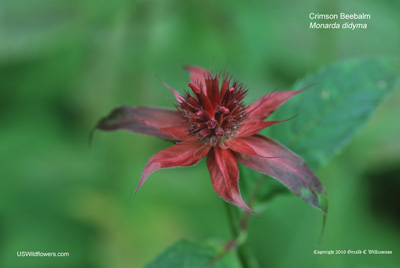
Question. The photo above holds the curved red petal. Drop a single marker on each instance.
(179, 155)
(224, 172)
(267, 104)
(269, 157)
(178, 96)
(158, 122)
(198, 76)
(253, 127)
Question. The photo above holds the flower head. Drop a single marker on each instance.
(211, 120)
(214, 115)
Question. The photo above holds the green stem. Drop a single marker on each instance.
(245, 256)
(233, 217)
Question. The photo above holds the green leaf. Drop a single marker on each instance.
(184, 254)
(331, 112)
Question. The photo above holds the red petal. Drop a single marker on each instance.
(179, 155)
(198, 76)
(159, 122)
(252, 128)
(178, 96)
(267, 104)
(269, 157)
(224, 172)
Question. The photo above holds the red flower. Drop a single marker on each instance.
(213, 122)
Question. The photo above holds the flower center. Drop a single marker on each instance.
(212, 113)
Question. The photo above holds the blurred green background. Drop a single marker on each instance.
(64, 64)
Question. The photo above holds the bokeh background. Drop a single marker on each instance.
(64, 64)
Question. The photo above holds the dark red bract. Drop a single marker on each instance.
(212, 121)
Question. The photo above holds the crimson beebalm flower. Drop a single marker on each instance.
(212, 121)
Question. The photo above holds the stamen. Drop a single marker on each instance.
(213, 140)
(219, 132)
(204, 133)
(223, 110)
(204, 101)
(194, 87)
(229, 133)
(211, 124)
